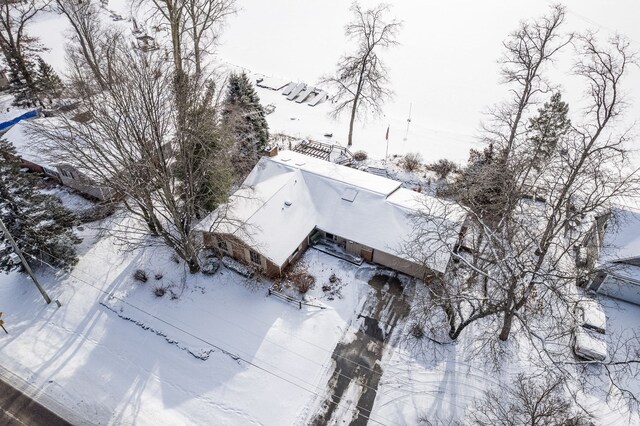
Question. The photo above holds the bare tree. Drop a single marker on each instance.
(361, 78)
(529, 252)
(84, 18)
(16, 44)
(131, 145)
(527, 51)
(204, 19)
(194, 27)
(534, 401)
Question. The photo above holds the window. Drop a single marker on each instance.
(222, 244)
(329, 236)
(255, 257)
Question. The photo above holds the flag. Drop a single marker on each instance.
(387, 135)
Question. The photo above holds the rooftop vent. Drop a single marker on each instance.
(287, 203)
(349, 194)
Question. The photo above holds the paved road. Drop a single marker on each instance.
(16, 408)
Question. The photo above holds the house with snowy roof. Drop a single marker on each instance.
(617, 263)
(291, 201)
(35, 160)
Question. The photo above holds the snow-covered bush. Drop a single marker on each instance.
(238, 267)
(159, 290)
(360, 155)
(442, 168)
(210, 266)
(140, 275)
(411, 161)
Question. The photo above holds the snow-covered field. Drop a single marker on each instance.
(445, 67)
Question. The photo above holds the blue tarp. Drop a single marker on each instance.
(25, 116)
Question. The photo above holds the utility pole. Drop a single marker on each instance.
(24, 262)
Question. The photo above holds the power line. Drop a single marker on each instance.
(234, 355)
(350, 378)
(105, 260)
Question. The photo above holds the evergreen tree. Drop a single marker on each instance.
(39, 223)
(483, 184)
(23, 93)
(203, 169)
(47, 81)
(244, 116)
(546, 129)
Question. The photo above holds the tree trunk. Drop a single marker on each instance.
(351, 121)
(194, 265)
(506, 325)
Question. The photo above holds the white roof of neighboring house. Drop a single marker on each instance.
(25, 147)
(286, 196)
(622, 237)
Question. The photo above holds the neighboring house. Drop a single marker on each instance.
(29, 155)
(15, 115)
(617, 262)
(292, 200)
(35, 161)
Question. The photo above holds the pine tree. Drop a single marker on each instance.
(39, 223)
(23, 93)
(47, 81)
(244, 116)
(547, 128)
(483, 184)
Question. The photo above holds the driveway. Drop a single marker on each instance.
(357, 371)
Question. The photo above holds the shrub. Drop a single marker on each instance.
(443, 168)
(140, 275)
(159, 290)
(210, 266)
(302, 280)
(333, 278)
(360, 155)
(411, 161)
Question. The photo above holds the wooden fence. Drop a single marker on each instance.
(293, 300)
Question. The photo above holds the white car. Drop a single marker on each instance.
(590, 315)
(589, 344)
(589, 340)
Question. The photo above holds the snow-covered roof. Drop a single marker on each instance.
(622, 237)
(286, 196)
(24, 144)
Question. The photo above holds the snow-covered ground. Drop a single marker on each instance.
(115, 353)
(217, 348)
(445, 67)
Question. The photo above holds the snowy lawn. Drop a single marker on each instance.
(266, 360)
(69, 198)
(434, 383)
(221, 351)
